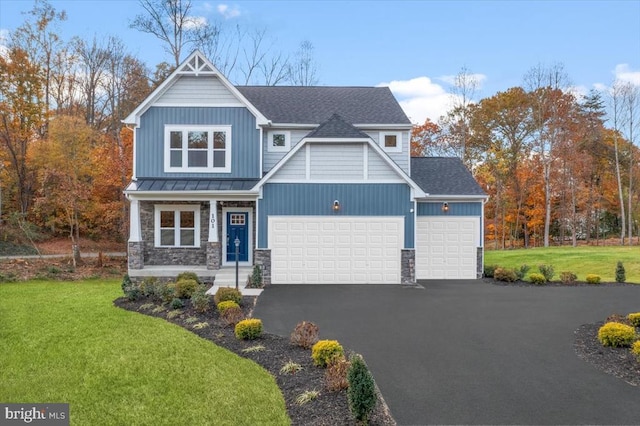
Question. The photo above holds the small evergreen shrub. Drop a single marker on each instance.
(568, 277)
(188, 276)
(616, 334)
(255, 281)
(489, 270)
(592, 279)
(538, 279)
(168, 292)
(621, 274)
(634, 319)
(130, 290)
(200, 300)
(547, 271)
(635, 349)
(231, 316)
(228, 293)
(148, 286)
(325, 351)
(335, 377)
(504, 274)
(305, 335)
(177, 303)
(248, 329)
(223, 306)
(185, 288)
(362, 391)
(522, 272)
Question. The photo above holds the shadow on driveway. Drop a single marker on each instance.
(469, 352)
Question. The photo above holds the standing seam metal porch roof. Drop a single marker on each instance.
(195, 184)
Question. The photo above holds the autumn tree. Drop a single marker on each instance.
(426, 141)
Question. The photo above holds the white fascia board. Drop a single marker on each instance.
(192, 195)
(417, 191)
(337, 140)
(458, 198)
(279, 164)
(134, 117)
(384, 126)
(309, 126)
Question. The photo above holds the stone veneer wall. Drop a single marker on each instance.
(262, 257)
(480, 266)
(172, 255)
(214, 255)
(136, 255)
(408, 267)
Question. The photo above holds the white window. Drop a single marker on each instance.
(197, 149)
(278, 141)
(391, 141)
(177, 226)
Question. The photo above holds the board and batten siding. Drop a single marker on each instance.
(291, 199)
(245, 143)
(200, 90)
(455, 209)
(400, 158)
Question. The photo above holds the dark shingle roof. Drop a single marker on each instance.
(336, 127)
(444, 176)
(147, 184)
(315, 104)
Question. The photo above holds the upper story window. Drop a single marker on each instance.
(197, 149)
(278, 141)
(177, 226)
(391, 141)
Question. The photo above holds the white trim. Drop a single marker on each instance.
(207, 105)
(458, 198)
(338, 180)
(365, 161)
(185, 129)
(191, 195)
(176, 208)
(287, 141)
(307, 171)
(213, 221)
(381, 141)
(249, 211)
(135, 229)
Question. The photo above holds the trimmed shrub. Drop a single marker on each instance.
(325, 351)
(538, 279)
(362, 389)
(593, 279)
(305, 335)
(188, 276)
(568, 277)
(522, 272)
(200, 300)
(130, 290)
(185, 288)
(635, 349)
(489, 270)
(504, 274)
(616, 334)
(248, 329)
(547, 271)
(167, 292)
(227, 293)
(621, 274)
(335, 378)
(634, 319)
(232, 316)
(177, 303)
(223, 306)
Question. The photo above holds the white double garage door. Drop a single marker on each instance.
(362, 250)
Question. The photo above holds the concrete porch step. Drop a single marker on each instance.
(226, 277)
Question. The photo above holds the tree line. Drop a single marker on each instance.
(65, 155)
(558, 167)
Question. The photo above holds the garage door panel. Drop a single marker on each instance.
(329, 249)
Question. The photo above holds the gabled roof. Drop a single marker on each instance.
(444, 176)
(315, 104)
(336, 127)
(195, 65)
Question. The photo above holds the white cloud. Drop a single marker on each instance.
(4, 42)
(624, 73)
(228, 12)
(195, 22)
(420, 98)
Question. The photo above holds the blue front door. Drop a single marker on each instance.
(237, 227)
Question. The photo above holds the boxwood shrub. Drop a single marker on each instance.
(592, 279)
(227, 293)
(505, 274)
(616, 334)
(538, 279)
(325, 351)
(248, 329)
(185, 288)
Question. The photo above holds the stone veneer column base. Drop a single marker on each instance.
(480, 267)
(262, 257)
(136, 256)
(213, 255)
(408, 267)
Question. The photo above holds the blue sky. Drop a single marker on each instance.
(415, 47)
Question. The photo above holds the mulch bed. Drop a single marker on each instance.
(618, 362)
(330, 408)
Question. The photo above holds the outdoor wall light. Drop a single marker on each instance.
(336, 205)
(445, 207)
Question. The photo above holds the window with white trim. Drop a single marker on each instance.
(197, 149)
(278, 141)
(177, 226)
(391, 141)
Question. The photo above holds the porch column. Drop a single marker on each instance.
(214, 252)
(135, 246)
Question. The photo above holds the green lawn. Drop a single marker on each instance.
(579, 260)
(66, 342)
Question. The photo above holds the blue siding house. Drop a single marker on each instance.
(314, 184)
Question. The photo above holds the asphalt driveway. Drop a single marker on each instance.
(469, 352)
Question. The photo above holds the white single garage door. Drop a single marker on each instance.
(335, 250)
(446, 247)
